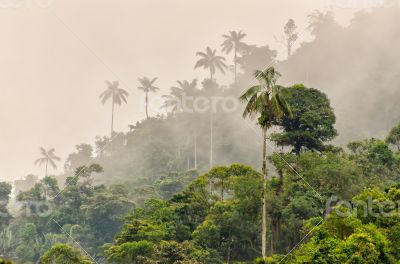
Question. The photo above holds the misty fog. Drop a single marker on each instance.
(205, 132)
(56, 56)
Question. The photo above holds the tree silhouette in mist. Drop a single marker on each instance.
(233, 42)
(174, 100)
(48, 157)
(117, 95)
(209, 60)
(291, 35)
(147, 86)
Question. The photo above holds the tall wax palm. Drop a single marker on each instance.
(266, 101)
(233, 42)
(46, 158)
(147, 86)
(174, 100)
(209, 60)
(117, 95)
(185, 87)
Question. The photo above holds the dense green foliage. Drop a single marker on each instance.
(212, 219)
(153, 195)
(348, 237)
(64, 254)
(216, 217)
(311, 122)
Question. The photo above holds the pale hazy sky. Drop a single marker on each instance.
(56, 54)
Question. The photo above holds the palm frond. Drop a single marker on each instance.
(153, 80)
(123, 97)
(43, 151)
(105, 96)
(201, 54)
(266, 98)
(142, 88)
(53, 164)
(200, 63)
(251, 108)
(56, 158)
(117, 100)
(250, 92)
(38, 161)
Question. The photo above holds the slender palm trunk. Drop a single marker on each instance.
(147, 100)
(195, 150)
(211, 74)
(264, 199)
(211, 140)
(47, 162)
(234, 61)
(112, 117)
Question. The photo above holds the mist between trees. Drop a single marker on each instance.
(174, 189)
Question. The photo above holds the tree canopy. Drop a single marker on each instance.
(311, 123)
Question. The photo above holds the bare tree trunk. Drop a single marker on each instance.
(264, 199)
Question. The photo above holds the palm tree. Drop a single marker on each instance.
(233, 42)
(47, 157)
(211, 61)
(147, 86)
(266, 101)
(174, 99)
(209, 85)
(117, 95)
